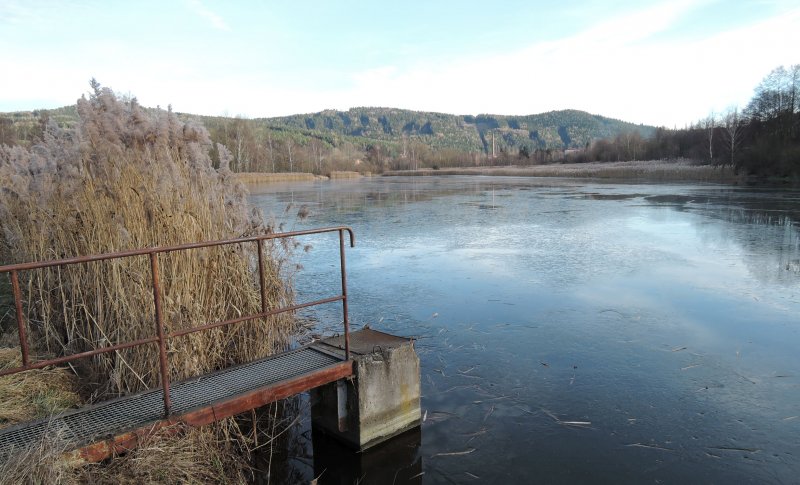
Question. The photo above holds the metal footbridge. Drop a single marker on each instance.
(100, 430)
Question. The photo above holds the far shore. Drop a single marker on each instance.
(646, 170)
(649, 170)
(282, 177)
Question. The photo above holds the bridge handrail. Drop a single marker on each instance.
(162, 337)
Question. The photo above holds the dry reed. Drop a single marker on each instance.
(343, 174)
(268, 178)
(171, 456)
(174, 455)
(43, 463)
(33, 395)
(127, 178)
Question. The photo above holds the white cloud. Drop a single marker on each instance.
(615, 69)
(628, 67)
(216, 20)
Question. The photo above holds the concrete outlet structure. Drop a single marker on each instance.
(381, 401)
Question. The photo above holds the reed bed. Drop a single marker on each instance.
(169, 455)
(649, 170)
(32, 395)
(269, 178)
(343, 175)
(274, 178)
(126, 178)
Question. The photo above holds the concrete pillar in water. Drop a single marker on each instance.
(381, 401)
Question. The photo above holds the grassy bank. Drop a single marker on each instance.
(343, 175)
(274, 178)
(652, 170)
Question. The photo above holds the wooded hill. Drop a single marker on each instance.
(555, 129)
(387, 133)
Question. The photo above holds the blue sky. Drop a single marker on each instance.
(663, 63)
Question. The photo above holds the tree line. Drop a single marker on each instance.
(763, 139)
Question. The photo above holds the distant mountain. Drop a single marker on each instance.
(392, 127)
(555, 129)
(371, 139)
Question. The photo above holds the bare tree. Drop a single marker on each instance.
(709, 124)
(733, 126)
(242, 163)
(289, 146)
(633, 142)
(318, 152)
(271, 148)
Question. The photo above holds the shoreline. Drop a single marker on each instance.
(646, 170)
(282, 177)
(650, 170)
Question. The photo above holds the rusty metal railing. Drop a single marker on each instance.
(161, 336)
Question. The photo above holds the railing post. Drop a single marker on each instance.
(260, 243)
(23, 335)
(344, 296)
(162, 344)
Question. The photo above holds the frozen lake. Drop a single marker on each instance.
(574, 331)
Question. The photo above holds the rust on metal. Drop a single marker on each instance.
(162, 344)
(121, 443)
(186, 331)
(344, 294)
(23, 336)
(69, 358)
(261, 283)
(168, 249)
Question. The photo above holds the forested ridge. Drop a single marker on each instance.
(372, 138)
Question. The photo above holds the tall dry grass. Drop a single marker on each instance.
(271, 178)
(126, 178)
(28, 395)
(172, 455)
(43, 463)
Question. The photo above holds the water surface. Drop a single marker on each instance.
(572, 331)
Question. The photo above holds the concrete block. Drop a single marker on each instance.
(382, 400)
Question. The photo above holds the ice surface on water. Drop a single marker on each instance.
(664, 316)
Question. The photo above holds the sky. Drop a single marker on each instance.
(663, 63)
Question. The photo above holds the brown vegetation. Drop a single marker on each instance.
(32, 395)
(274, 178)
(171, 455)
(343, 174)
(126, 178)
(653, 170)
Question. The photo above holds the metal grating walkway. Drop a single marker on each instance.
(111, 418)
